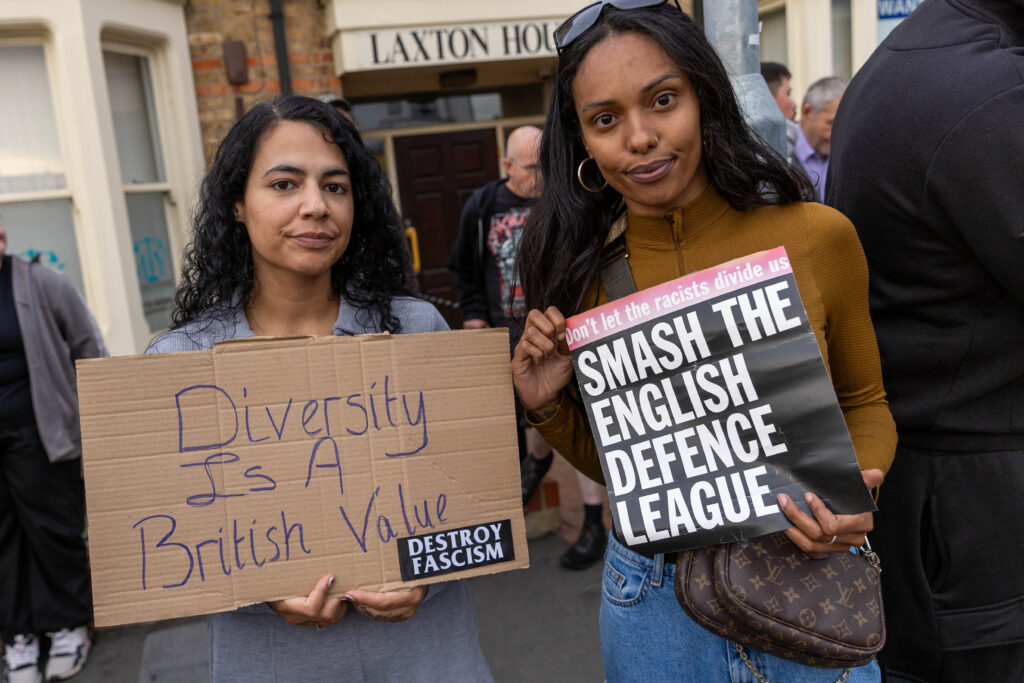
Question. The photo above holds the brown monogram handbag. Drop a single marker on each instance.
(767, 594)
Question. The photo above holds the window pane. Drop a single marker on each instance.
(131, 103)
(44, 228)
(842, 39)
(153, 264)
(30, 157)
(427, 109)
(773, 37)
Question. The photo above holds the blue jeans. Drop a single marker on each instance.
(646, 636)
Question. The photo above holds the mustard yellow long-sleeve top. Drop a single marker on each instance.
(831, 274)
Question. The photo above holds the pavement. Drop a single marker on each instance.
(536, 625)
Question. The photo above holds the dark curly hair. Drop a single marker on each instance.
(560, 252)
(218, 270)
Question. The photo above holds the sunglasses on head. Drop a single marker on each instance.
(573, 27)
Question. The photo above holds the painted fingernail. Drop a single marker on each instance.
(348, 598)
(330, 582)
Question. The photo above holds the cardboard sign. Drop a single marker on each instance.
(242, 474)
(707, 397)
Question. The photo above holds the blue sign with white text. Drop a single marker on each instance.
(896, 9)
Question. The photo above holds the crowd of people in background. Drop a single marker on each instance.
(910, 234)
(808, 139)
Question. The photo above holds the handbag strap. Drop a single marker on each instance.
(760, 676)
(616, 275)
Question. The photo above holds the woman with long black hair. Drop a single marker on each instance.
(296, 234)
(644, 139)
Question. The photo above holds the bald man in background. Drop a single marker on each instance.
(492, 221)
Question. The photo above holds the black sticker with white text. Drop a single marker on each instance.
(455, 550)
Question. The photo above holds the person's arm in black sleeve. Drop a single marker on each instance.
(975, 185)
(464, 263)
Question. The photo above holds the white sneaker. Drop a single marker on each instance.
(22, 659)
(68, 650)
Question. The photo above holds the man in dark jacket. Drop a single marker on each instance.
(928, 163)
(492, 221)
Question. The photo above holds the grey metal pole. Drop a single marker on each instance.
(733, 28)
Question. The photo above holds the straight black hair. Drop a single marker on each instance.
(560, 252)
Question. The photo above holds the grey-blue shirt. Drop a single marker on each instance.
(255, 645)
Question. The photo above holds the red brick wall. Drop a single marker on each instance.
(211, 22)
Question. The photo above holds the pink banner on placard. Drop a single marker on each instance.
(673, 295)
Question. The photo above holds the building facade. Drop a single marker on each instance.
(114, 107)
(819, 38)
(100, 151)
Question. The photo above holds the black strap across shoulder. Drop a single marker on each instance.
(616, 275)
(617, 279)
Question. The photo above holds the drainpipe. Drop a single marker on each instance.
(284, 73)
(733, 28)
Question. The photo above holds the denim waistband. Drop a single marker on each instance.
(618, 539)
(663, 566)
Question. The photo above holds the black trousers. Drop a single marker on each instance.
(43, 563)
(950, 534)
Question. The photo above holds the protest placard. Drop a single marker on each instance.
(241, 474)
(707, 397)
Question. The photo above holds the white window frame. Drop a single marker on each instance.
(124, 46)
(34, 36)
(139, 46)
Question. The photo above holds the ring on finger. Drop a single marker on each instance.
(833, 539)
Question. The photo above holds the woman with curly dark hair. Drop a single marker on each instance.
(219, 265)
(296, 234)
(645, 141)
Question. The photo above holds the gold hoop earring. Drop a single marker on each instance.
(706, 143)
(583, 184)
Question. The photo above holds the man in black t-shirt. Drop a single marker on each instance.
(492, 222)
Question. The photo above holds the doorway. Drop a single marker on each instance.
(437, 173)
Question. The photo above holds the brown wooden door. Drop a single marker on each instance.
(436, 175)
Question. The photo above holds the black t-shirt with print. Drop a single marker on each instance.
(504, 290)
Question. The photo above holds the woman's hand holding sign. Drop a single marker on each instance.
(827, 532)
(319, 609)
(541, 364)
(392, 606)
(316, 609)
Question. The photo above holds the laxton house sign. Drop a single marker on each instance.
(391, 48)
